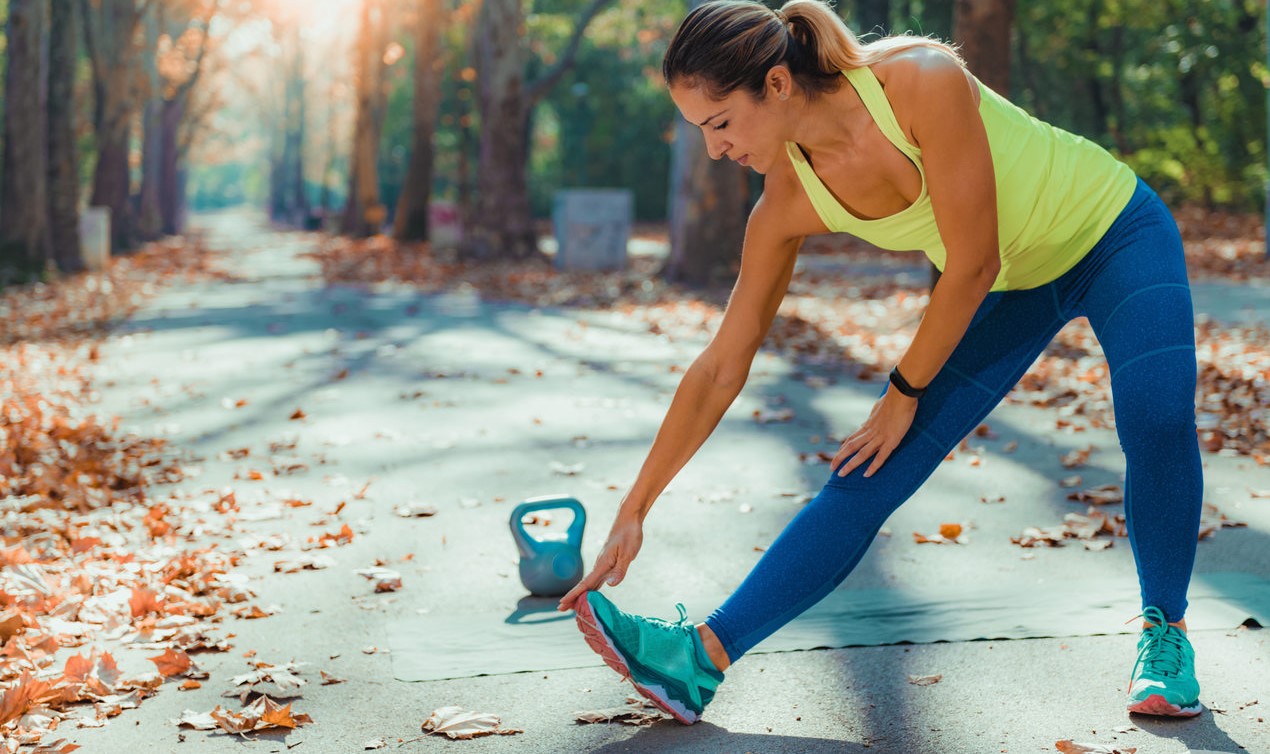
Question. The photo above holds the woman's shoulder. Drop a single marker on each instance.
(912, 64)
(911, 76)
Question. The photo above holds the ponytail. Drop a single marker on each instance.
(725, 45)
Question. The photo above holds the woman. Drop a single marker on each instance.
(897, 143)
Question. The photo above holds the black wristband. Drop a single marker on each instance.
(902, 385)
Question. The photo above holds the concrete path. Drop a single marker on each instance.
(438, 400)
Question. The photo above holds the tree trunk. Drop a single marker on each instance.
(502, 226)
(170, 197)
(286, 178)
(109, 31)
(364, 214)
(24, 232)
(707, 212)
(982, 28)
(416, 193)
(149, 215)
(63, 173)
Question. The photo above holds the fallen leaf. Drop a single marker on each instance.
(1076, 458)
(415, 510)
(1067, 746)
(770, 416)
(1106, 494)
(924, 680)
(636, 711)
(458, 724)
(386, 580)
(567, 469)
(172, 662)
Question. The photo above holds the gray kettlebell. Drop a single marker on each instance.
(552, 565)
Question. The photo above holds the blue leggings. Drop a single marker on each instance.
(1132, 287)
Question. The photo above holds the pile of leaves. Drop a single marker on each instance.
(1223, 244)
(864, 322)
(88, 551)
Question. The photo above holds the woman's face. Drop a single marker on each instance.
(739, 127)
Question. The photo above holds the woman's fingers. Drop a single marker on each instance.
(862, 455)
(883, 453)
(604, 567)
(850, 446)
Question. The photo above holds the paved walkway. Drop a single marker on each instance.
(471, 407)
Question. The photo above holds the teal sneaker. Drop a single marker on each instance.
(665, 661)
(1163, 681)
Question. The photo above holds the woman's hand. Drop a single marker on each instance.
(887, 424)
(623, 544)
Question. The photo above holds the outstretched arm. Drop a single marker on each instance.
(707, 389)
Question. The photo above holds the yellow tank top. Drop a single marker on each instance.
(1057, 193)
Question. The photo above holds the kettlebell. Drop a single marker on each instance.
(552, 565)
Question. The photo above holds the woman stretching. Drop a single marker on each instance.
(895, 142)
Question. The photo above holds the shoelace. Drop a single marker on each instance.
(681, 624)
(1164, 649)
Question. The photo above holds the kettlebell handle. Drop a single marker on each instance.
(547, 502)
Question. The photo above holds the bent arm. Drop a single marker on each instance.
(716, 377)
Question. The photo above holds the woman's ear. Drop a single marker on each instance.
(780, 82)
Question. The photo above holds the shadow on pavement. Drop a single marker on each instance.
(667, 737)
(1200, 734)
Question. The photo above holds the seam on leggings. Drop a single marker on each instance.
(1058, 310)
(1156, 352)
(969, 379)
(1131, 296)
(922, 431)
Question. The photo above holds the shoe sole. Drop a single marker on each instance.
(1158, 705)
(600, 643)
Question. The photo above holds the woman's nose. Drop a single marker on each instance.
(716, 148)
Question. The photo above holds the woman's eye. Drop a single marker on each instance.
(721, 126)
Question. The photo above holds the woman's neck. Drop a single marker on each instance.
(828, 126)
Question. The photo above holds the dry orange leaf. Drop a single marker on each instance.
(1067, 746)
(171, 662)
(299, 414)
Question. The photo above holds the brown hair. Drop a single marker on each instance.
(725, 45)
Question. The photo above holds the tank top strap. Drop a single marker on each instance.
(875, 101)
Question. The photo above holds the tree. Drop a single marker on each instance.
(287, 201)
(363, 213)
(982, 29)
(707, 209)
(63, 161)
(110, 30)
(502, 226)
(24, 239)
(149, 219)
(181, 52)
(411, 223)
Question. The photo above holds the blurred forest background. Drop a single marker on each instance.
(354, 115)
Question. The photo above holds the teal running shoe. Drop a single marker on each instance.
(665, 661)
(1163, 680)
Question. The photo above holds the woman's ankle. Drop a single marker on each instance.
(714, 648)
